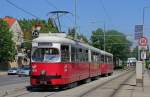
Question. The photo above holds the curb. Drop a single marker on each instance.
(8, 92)
(3, 73)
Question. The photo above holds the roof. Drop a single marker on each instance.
(64, 40)
(9, 20)
(53, 39)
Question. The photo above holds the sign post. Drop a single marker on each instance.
(140, 64)
(139, 74)
(138, 35)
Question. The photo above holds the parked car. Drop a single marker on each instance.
(12, 71)
(25, 71)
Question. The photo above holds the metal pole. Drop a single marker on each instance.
(104, 41)
(75, 18)
(59, 22)
(143, 20)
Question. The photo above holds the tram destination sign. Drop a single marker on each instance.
(45, 44)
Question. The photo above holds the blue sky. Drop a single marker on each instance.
(121, 15)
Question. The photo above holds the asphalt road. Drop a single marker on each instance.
(12, 79)
(14, 86)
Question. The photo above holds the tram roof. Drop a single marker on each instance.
(63, 40)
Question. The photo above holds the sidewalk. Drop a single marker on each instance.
(145, 90)
(3, 73)
(13, 88)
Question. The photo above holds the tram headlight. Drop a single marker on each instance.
(43, 72)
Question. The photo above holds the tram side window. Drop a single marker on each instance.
(65, 53)
(80, 55)
(102, 59)
(99, 58)
(77, 55)
(83, 55)
(106, 60)
(86, 55)
(94, 57)
(110, 60)
(73, 54)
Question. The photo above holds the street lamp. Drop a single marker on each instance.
(75, 17)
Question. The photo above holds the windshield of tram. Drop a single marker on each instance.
(46, 55)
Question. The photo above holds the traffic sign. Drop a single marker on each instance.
(143, 55)
(138, 28)
(137, 35)
(35, 34)
(143, 41)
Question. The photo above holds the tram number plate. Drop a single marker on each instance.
(43, 82)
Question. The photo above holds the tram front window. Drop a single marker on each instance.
(46, 55)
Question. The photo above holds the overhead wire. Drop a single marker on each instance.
(25, 11)
(106, 13)
(52, 4)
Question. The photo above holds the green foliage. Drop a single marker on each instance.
(97, 39)
(7, 46)
(134, 53)
(115, 43)
(27, 27)
(71, 32)
(81, 37)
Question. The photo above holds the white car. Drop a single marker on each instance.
(12, 71)
(25, 71)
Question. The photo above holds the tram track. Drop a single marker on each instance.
(107, 86)
(25, 93)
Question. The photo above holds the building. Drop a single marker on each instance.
(16, 29)
(17, 36)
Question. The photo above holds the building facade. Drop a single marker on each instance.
(17, 33)
(15, 29)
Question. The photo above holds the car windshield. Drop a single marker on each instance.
(46, 55)
(25, 68)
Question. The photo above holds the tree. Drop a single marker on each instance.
(134, 53)
(7, 46)
(97, 38)
(115, 43)
(71, 32)
(81, 37)
(27, 27)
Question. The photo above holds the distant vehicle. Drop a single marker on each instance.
(12, 71)
(131, 61)
(25, 71)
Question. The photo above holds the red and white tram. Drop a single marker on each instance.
(58, 61)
